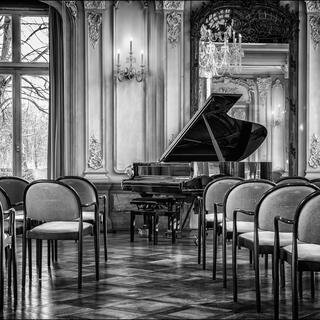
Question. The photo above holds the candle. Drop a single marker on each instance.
(142, 57)
(130, 45)
(240, 38)
(118, 57)
(234, 37)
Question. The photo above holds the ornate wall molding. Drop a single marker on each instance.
(314, 159)
(174, 20)
(95, 5)
(95, 154)
(73, 8)
(145, 3)
(94, 21)
(264, 86)
(313, 12)
(169, 5)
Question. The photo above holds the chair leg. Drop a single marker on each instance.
(30, 258)
(173, 228)
(48, 253)
(9, 266)
(55, 250)
(276, 284)
(312, 284)
(266, 261)
(96, 249)
(199, 235)
(214, 253)
(234, 267)
(300, 290)
(294, 294)
(224, 258)
(1, 273)
(24, 260)
(105, 229)
(132, 223)
(250, 257)
(204, 240)
(257, 281)
(80, 249)
(155, 218)
(150, 226)
(39, 257)
(282, 275)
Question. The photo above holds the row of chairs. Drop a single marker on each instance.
(259, 215)
(64, 209)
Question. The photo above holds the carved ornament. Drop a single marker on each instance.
(95, 5)
(145, 3)
(313, 12)
(169, 5)
(95, 154)
(94, 21)
(314, 159)
(72, 6)
(174, 20)
(264, 85)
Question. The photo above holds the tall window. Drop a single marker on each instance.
(24, 93)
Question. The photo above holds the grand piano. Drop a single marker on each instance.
(211, 137)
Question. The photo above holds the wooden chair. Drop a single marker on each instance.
(241, 198)
(88, 194)
(303, 254)
(282, 199)
(213, 196)
(57, 209)
(7, 242)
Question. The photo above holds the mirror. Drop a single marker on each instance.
(266, 79)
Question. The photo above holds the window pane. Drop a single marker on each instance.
(5, 38)
(35, 108)
(6, 133)
(34, 39)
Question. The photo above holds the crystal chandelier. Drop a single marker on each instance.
(220, 52)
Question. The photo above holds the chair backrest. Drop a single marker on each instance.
(307, 219)
(316, 182)
(283, 201)
(216, 190)
(86, 190)
(245, 195)
(14, 187)
(46, 200)
(4, 200)
(293, 180)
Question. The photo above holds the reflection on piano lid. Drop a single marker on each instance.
(212, 135)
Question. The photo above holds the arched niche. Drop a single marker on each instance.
(259, 22)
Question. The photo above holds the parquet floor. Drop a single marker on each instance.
(143, 281)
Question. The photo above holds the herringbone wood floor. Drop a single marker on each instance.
(143, 281)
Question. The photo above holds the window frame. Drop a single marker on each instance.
(17, 69)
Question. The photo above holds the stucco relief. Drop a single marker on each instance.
(169, 5)
(174, 20)
(314, 159)
(95, 154)
(264, 85)
(313, 12)
(72, 6)
(94, 21)
(95, 5)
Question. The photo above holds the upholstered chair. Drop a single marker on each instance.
(53, 211)
(292, 179)
(242, 198)
(213, 197)
(303, 253)
(280, 200)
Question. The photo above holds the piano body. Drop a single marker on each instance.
(211, 137)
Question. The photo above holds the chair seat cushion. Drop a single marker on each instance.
(306, 251)
(55, 230)
(88, 216)
(266, 238)
(242, 226)
(210, 217)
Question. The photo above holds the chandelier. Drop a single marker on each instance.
(220, 52)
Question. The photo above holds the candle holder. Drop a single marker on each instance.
(130, 72)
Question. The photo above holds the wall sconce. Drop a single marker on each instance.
(130, 72)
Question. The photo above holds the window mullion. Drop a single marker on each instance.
(16, 38)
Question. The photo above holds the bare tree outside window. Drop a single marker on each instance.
(24, 149)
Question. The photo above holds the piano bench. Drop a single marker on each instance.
(151, 216)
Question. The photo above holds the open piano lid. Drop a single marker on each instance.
(212, 135)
